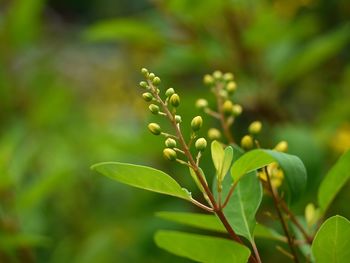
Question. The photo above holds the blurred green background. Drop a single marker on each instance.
(68, 99)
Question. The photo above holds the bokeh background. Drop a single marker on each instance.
(69, 71)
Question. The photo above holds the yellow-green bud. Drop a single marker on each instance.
(154, 108)
(178, 119)
(143, 84)
(282, 146)
(169, 154)
(217, 74)
(201, 144)
(144, 71)
(170, 143)
(237, 109)
(147, 96)
(255, 127)
(227, 107)
(228, 76)
(169, 92)
(196, 123)
(214, 134)
(175, 100)
(208, 79)
(247, 142)
(231, 87)
(201, 103)
(154, 128)
(156, 81)
(223, 93)
(151, 76)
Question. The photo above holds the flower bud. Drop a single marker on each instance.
(201, 144)
(147, 96)
(143, 84)
(196, 123)
(151, 76)
(231, 87)
(227, 107)
(154, 128)
(217, 74)
(144, 71)
(214, 134)
(201, 103)
(247, 142)
(208, 79)
(223, 93)
(178, 119)
(156, 81)
(169, 154)
(228, 76)
(175, 100)
(170, 143)
(237, 109)
(154, 108)
(282, 146)
(255, 127)
(169, 92)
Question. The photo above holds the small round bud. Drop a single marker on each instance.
(227, 107)
(231, 87)
(214, 134)
(217, 74)
(178, 119)
(156, 81)
(208, 79)
(175, 100)
(223, 93)
(228, 76)
(201, 103)
(154, 128)
(169, 92)
(255, 127)
(169, 154)
(154, 108)
(170, 143)
(143, 84)
(151, 76)
(147, 96)
(247, 142)
(196, 123)
(237, 109)
(201, 144)
(144, 71)
(282, 146)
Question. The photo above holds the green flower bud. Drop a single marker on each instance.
(147, 96)
(154, 128)
(237, 109)
(201, 144)
(144, 71)
(143, 84)
(178, 119)
(169, 154)
(227, 107)
(154, 108)
(255, 127)
(282, 146)
(170, 143)
(201, 103)
(228, 76)
(196, 123)
(214, 134)
(151, 76)
(247, 142)
(175, 100)
(231, 87)
(156, 81)
(169, 92)
(217, 74)
(223, 93)
(208, 79)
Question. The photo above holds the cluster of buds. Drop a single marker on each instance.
(167, 106)
(247, 141)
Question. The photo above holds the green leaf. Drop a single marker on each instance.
(202, 221)
(293, 168)
(332, 241)
(202, 248)
(334, 181)
(262, 231)
(142, 177)
(222, 159)
(227, 162)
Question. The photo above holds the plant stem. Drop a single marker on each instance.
(229, 194)
(280, 216)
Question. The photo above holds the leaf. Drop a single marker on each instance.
(334, 181)
(293, 168)
(332, 241)
(202, 221)
(202, 248)
(222, 159)
(142, 177)
(262, 231)
(228, 157)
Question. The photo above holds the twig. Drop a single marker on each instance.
(229, 195)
